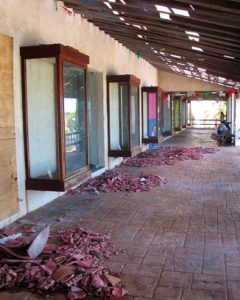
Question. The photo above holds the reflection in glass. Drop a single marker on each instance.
(118, 107)
(145, 114)
(149, 115)
(184, 116)
(176, 108)
(41, 106)
(167, 115)
(74, 112)
(134, 116)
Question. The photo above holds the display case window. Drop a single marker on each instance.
(184, 114)
(123, 114)
(54, 104)
(167, 116)
(176, 110)
(95, 120)
(151, 113)
(75, 118)
(42, 136)
(134, 116)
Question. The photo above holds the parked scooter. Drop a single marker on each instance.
(223, 135)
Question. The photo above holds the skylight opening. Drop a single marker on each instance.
(197, 49)
(181, 12)
(176, 56)
(192, 33)
(137, 26)
(115, 12)
(193, 38)
(108, 4)
(165, 16)
(230, 57)
(222, 79)
(163, 8)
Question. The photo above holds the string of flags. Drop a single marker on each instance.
(68, 10)
(200, 94)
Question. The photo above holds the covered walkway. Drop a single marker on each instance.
(182, 239)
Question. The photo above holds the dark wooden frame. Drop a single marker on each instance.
(62, 54)
(131, 81)
(157, 91)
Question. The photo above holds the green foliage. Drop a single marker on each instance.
(70, 122)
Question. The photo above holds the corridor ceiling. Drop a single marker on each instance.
(199, 38)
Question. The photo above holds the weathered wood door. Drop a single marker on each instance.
(8, 180)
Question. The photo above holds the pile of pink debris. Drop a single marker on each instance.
(167, 155)
(118, 182)
(73, 265)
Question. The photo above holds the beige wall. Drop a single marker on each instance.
(175, 83)
(33, 22)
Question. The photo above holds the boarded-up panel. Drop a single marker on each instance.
(8, 183)
(8, 188)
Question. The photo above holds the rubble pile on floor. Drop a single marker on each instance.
(118, 182)
(73, 264)
(168, 155)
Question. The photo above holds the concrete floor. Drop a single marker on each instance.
(182, 239)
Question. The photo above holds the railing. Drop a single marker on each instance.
(72, 138)
(210, 123)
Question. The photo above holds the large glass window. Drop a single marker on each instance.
(167, 115)
(184, 116)
(41, 110)
(95, 119)
(123, 115)
(150, 115)
(119, 126)
(151, 112)
(54, 114)
(176, 109)
(134, 116)
(74, 114)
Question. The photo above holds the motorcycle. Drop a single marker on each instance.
(223, 135)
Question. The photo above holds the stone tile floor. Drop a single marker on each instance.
(182, 239)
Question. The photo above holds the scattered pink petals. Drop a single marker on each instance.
(167, 155)
(118, 182)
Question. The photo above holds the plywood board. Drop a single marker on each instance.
(8, 179)
(7, 133)
(8, 176)
(6, 81)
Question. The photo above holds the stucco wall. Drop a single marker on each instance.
(33, 22)
(175, 83)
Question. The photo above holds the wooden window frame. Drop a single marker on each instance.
(131, 81)
(62, 54)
